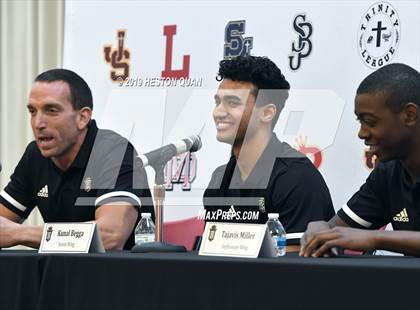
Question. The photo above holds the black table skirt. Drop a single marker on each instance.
(125, 281)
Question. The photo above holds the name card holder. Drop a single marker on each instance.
(71, 238)
(236, 240)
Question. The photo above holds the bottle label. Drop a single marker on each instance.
(143, 238)
(281, 242)
(278, 242)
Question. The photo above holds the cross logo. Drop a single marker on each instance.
(379, 35)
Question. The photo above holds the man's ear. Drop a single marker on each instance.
(410, 114)
(85, 115)
(268, 113)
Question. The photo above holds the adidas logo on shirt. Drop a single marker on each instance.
(43, 192)
(402, 216)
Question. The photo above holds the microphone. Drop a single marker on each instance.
(163, 154)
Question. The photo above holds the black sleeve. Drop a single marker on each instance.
(301, 195)
(117, 176)
(367, 207)
(18, 195)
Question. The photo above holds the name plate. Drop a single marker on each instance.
(71, 238)
(236, 240)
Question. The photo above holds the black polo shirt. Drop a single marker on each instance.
(102, 172)
(283, 181)
(388, 196)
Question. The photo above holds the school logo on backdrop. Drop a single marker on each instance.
(313, 152)
(370, 159)
(118, 59)
(379, 35)
(302, 47)
(235, 42)
(182, 169)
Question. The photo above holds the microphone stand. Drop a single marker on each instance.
(159, 196)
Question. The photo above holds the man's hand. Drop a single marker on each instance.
(323, 242)
(8, 232)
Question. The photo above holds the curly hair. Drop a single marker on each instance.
(270, 84)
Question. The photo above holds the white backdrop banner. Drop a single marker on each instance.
(152, 67)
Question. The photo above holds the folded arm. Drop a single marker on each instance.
(13, 233)
(116, 222)
(324, 238)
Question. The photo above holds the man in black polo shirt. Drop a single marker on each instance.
(263, 174)
(387, 104)
(72, 171)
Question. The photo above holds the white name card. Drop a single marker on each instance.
(236, 240)
(71, 238)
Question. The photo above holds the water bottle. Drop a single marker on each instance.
(145, 230)
(277, 233)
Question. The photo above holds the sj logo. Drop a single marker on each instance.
(313, 152)
(181, 169)
(303, 47)
(235, 43)
(118, 58)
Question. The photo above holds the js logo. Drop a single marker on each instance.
(235, 43)
(303, 47)
(118, 58)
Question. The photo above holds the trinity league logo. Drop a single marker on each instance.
(379, 35)
(302, 47)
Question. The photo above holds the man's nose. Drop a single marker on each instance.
(39, 121)
(363, 132)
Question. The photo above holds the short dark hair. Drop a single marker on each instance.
(80, 93)
(261, 72)
(398, 82)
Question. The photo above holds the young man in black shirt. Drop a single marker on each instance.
(73, 171)
(263, 174)
(387, 104)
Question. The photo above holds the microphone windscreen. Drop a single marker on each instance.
(197, 144)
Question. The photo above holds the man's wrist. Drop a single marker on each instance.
(376, 239)
(30, 235)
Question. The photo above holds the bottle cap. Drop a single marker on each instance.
(146, 215)
(273, 215)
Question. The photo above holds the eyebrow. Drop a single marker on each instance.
(365, 114)
(46, 106)
(227, 97)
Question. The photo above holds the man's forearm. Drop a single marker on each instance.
(12, 234)
(336, 221)
(407, 242)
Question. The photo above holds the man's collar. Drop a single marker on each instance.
(260, 174)
(83, 155)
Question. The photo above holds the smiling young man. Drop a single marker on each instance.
(263, 174)
(73, 171)
(387, 104)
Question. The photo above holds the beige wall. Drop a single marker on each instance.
(31, 41)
